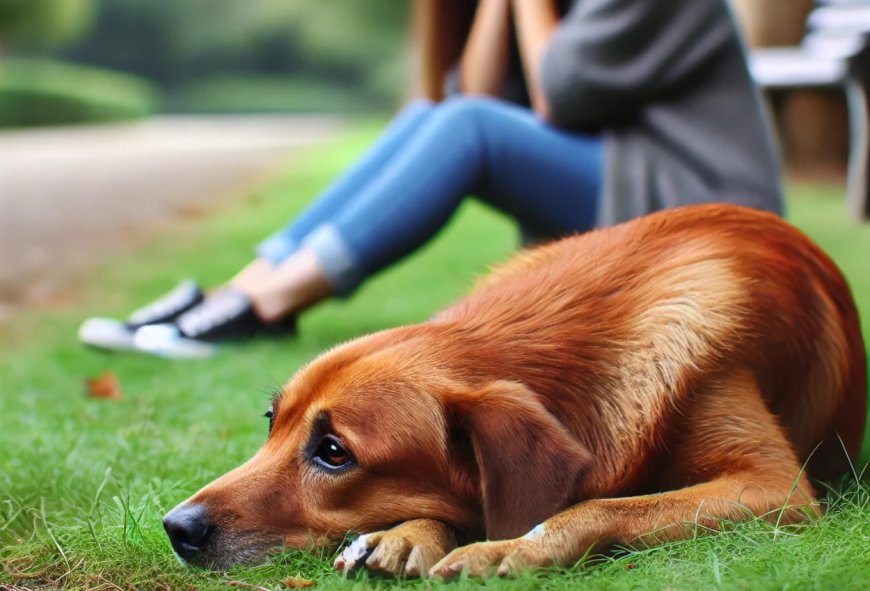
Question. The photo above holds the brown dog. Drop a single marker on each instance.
(705, 353)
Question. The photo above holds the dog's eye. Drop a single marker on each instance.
(270, 414)
(332, 454)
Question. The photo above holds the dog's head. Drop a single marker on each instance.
(376, 433)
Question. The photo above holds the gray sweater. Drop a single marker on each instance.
(667, 85)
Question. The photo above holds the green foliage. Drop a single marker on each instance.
(265, 94)
(84, 483)
(12, 12)
(40, 92)
(45, 23)
(369, 38)
(355, 46)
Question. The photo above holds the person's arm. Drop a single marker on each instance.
(535, 22)
(609, 58)
(484, 64)
(440, 28)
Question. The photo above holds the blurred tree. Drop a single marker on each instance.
(364, 39)
(44, 24)
(355, 44)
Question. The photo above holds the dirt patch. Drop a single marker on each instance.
(71, 196)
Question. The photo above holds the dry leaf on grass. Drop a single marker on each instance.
(298, 583)
(105, 387)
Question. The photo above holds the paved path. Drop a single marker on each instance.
(70, 195)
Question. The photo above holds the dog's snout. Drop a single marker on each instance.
(188, 529)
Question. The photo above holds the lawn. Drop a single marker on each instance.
(84, 482)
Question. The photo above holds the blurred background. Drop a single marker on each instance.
(117, 114)
(812, 123)
(76, 61)
(186, 56)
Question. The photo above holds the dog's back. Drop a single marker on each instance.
(632, 320)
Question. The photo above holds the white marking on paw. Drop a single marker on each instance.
(536, 532)
(355, 551)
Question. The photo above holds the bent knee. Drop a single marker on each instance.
(469, 108)
(418, 105)
(476, 122)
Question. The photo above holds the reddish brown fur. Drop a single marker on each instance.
(705, 351)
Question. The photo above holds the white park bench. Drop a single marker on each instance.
(835, 52)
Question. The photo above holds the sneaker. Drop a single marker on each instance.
(107, 333)
(226, 315)
(116, 335)
(167, 308)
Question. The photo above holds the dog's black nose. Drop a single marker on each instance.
(188, 529)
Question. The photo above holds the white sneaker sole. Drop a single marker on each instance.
(107, 333)
(164, 340)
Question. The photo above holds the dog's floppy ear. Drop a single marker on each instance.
(528, 464)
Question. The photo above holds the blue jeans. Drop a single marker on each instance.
(428, 160)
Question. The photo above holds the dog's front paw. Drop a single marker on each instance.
(502, 558)
(409, 549)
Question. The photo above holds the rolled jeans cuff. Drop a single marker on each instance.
(338, 264)
(276, 248)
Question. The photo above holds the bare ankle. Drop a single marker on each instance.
(285, 289)
(270, 309)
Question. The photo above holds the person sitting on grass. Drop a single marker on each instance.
(564, 115)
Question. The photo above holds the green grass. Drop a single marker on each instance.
(37, 92)
(84, 482)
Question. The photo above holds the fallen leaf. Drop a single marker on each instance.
(105, 387)
(298, 583)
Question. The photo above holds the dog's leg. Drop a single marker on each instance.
(733, 455)
(410, 548)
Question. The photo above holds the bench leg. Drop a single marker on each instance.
(858, 198)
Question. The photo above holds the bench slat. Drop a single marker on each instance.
(789, 67)
(835, 41)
